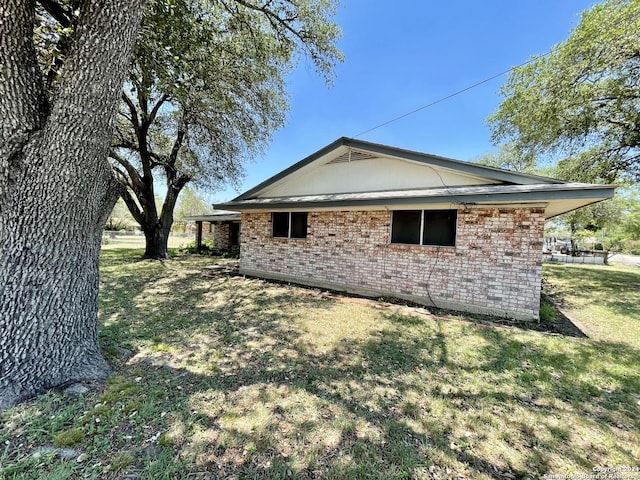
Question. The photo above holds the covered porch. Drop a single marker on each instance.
(221, 227)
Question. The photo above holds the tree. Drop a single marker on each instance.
(597, 223)
(189, 204)
(581, 102)
(59, 94)
(205, 92)
(120, 218)
(624, 233)
(593, 218)
(56, 188)
(507, 157)
(632, 223)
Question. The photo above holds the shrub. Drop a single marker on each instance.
(115, 224)
(207, 248)
(547, 311)
(632, 247)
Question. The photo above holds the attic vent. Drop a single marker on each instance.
(352, 156)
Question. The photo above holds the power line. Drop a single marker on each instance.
(440, 100)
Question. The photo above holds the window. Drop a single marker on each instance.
(405, 227)
(289, 224)
(280, 221)
(298, 225)
(424, 227)
(439, 227)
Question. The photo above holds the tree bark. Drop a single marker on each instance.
(56, 192)
(157, 230)
(156, 241)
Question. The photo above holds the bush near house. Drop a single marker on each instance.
(220, 376)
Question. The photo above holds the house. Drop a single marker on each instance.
(383, 221)
(222, 227)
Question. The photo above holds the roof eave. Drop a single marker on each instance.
(208, 218)
(296, 166)
(596, 193)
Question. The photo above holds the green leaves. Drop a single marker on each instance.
(582, 100)
(221, 66)
(206, 90)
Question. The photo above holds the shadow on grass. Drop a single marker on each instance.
(415, 398)
(407, 440)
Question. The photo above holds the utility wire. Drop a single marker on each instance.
(440, 100)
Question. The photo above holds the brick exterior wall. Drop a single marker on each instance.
(494, 268)
(219, 234)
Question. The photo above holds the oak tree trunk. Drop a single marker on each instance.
(56, 192)
(156, 241)
(156, 227)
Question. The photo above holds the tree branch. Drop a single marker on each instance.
(121, 177)
(141, 135)
(124, 143)
(158, 160)
(156, 108)
(173, 156)
(273, 18)
(135, 121)
(182, 181)
(24, 106)
(57, 12)
(143, 96)
(133, 207)
(135, 179)
(125, 116)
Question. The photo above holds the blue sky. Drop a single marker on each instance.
(402, 57)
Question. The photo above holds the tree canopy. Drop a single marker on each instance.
(581, 103)
(205, 93)
(507, 157)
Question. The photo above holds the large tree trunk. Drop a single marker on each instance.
(156, 231)
(156, 241)
(56, 191)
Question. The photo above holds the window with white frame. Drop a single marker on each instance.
(289, 224)
(424, 227)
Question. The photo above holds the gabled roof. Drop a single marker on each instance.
(490, 173)
(308, 184)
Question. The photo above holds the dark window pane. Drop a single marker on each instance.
(234, 234)
(280, 222)
(299, 225)
(405, 226)
(440, 227)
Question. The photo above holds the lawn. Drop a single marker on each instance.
(131, 241)
(224, 377)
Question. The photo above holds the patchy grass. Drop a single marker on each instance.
(604, 301)
(220, 376)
